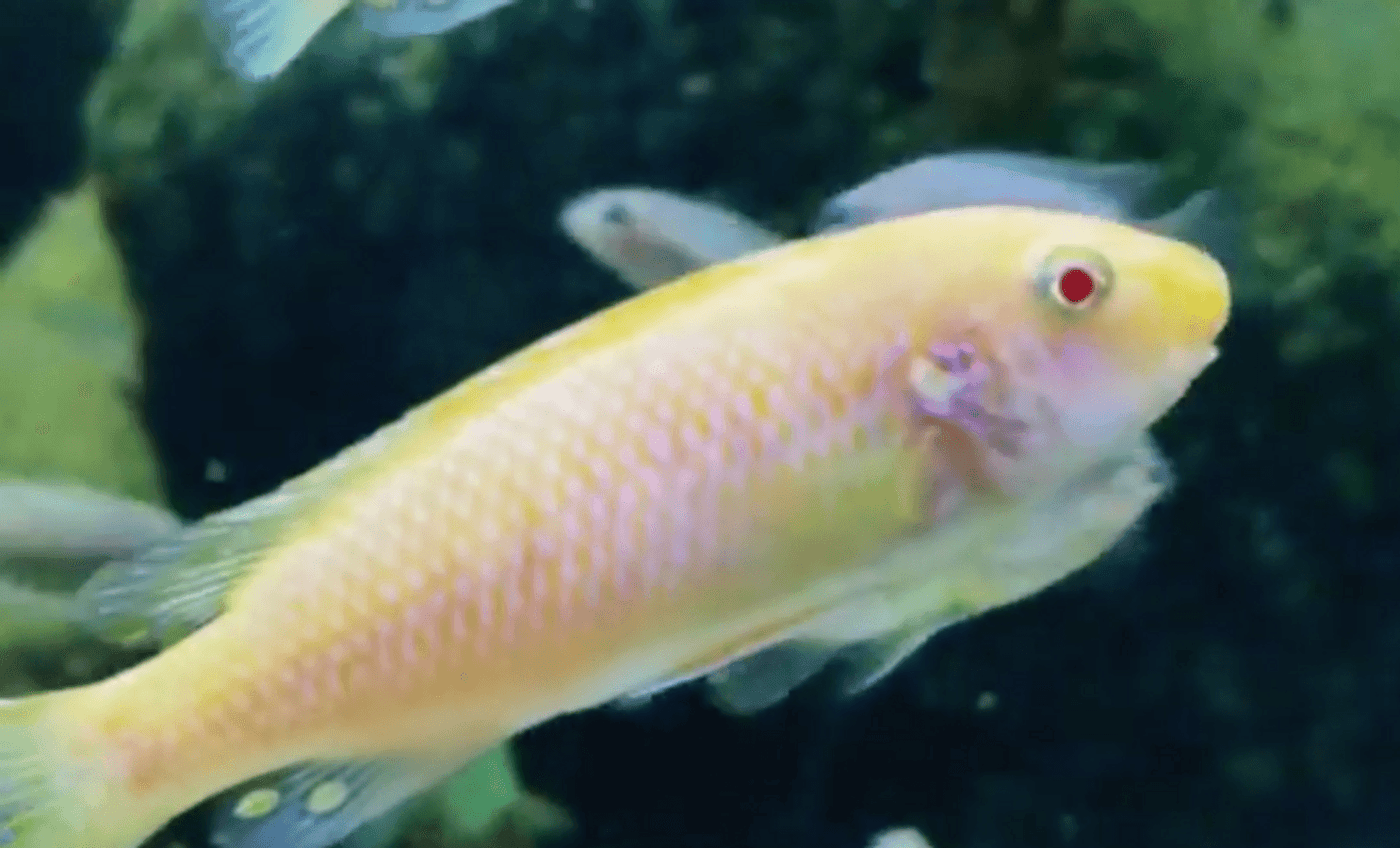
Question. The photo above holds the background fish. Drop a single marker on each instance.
(800, 447)
(51, 520)
(260, 37)
(52, 535)
(1113, 190)
(648, 236)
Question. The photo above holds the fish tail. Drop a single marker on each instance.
(52, 796)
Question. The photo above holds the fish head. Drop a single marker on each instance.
(601, 216)
(630, 231)
(1062, 338)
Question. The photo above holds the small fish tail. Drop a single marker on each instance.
(49, 796)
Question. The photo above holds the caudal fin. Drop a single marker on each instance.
(49, 796)
(37, 810)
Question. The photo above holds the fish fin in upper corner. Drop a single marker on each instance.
(746, 685)
(319, 804)
(1211, 220)
(259, 38)
(402, 18)
(762, 680)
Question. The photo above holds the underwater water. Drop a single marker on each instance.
(215, 283)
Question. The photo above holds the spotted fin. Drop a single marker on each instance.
(760, 681)
(400, 18)
(321, 803)
(261, 37)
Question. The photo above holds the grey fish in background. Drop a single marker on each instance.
(261, 37)
(1113, 190)
(63, 521)
(648, 236)
(32, 617)
(43, 524)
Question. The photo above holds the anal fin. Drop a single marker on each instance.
(319, 804)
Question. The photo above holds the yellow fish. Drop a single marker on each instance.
(819, 445)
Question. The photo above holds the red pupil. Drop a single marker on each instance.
(1076, 285)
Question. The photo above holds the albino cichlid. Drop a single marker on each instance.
(259, 38)
(648, 236)
(819, 448)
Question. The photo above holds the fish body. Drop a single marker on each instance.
(791, 449)
(1114, 190)
(259, 38)
(649, 236)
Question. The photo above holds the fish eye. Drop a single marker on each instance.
(618, 215)
(1075, 279)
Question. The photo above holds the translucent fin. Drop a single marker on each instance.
(865, 664)
(261, 37)
(180, 583)
(1210, 220)
(321, 803)
(757, 682)
(399, 18)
